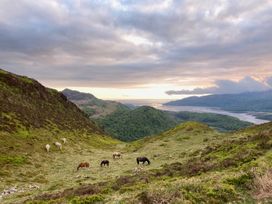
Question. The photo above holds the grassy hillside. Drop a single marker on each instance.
(252, 101)
(33, 116)
(26, 104)
(128, 125)
(91, 105)
(220, 122)
(190, 163)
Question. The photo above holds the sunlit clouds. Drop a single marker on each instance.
(139, 49)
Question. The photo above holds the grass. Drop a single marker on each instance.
(182, 170)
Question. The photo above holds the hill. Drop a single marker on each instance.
(217, 121)
(129, 125)
(33, 116)
(91, 105)
(251, 101)
(190, 163)
(26, 104)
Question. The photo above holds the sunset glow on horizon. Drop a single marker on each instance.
(119, 49)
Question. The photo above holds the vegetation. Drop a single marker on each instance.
(129, 125)
(190, 163)
(226, 168)
(217, 121)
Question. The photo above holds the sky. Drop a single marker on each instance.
(141, 49)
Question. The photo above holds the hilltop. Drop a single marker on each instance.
(91, 105)
(130, 125)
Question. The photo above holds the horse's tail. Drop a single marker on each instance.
(137, 160)
(78, 167)
(101, 164)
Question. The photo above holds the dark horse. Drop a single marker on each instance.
(83, 165)
(104, 163)
(143, 160)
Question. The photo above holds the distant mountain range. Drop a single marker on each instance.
(132, 123)
(244, 102)
(91, 105)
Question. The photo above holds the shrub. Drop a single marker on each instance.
(160, 196)
(263, 185)
(88, 199)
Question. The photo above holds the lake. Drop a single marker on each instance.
(158, 103)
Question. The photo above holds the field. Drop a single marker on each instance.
(126, 182)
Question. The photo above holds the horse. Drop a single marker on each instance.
(47, 147)
(104, 163)
(59, 145)
(143, 160)
(116, 155)
(83, 165)
(64, 140)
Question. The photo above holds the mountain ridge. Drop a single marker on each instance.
(249, 101)
(91, 105)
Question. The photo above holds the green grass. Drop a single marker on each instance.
(184, 169)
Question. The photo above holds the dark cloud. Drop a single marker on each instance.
(247, 84)
(121, 43)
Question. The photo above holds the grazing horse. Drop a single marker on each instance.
(64, 140)
(59, 145)
(104, 163)
(47, 147)
(143, 160)
(116, 155)
(83, 165)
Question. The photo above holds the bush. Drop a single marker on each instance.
(263, 185)
(88, 200)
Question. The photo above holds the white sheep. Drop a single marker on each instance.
(64, 140)
(47, 147)
(59, 145)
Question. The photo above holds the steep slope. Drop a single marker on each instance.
(128, 125)
(26, 104)
(33, 116)
(252, 101)
(91, 105)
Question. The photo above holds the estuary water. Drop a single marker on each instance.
(157, 103)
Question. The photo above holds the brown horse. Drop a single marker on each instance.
(104, 163)
(83, 165)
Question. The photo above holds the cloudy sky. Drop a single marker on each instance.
(141, 48)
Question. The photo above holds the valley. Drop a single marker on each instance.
(190, 162)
